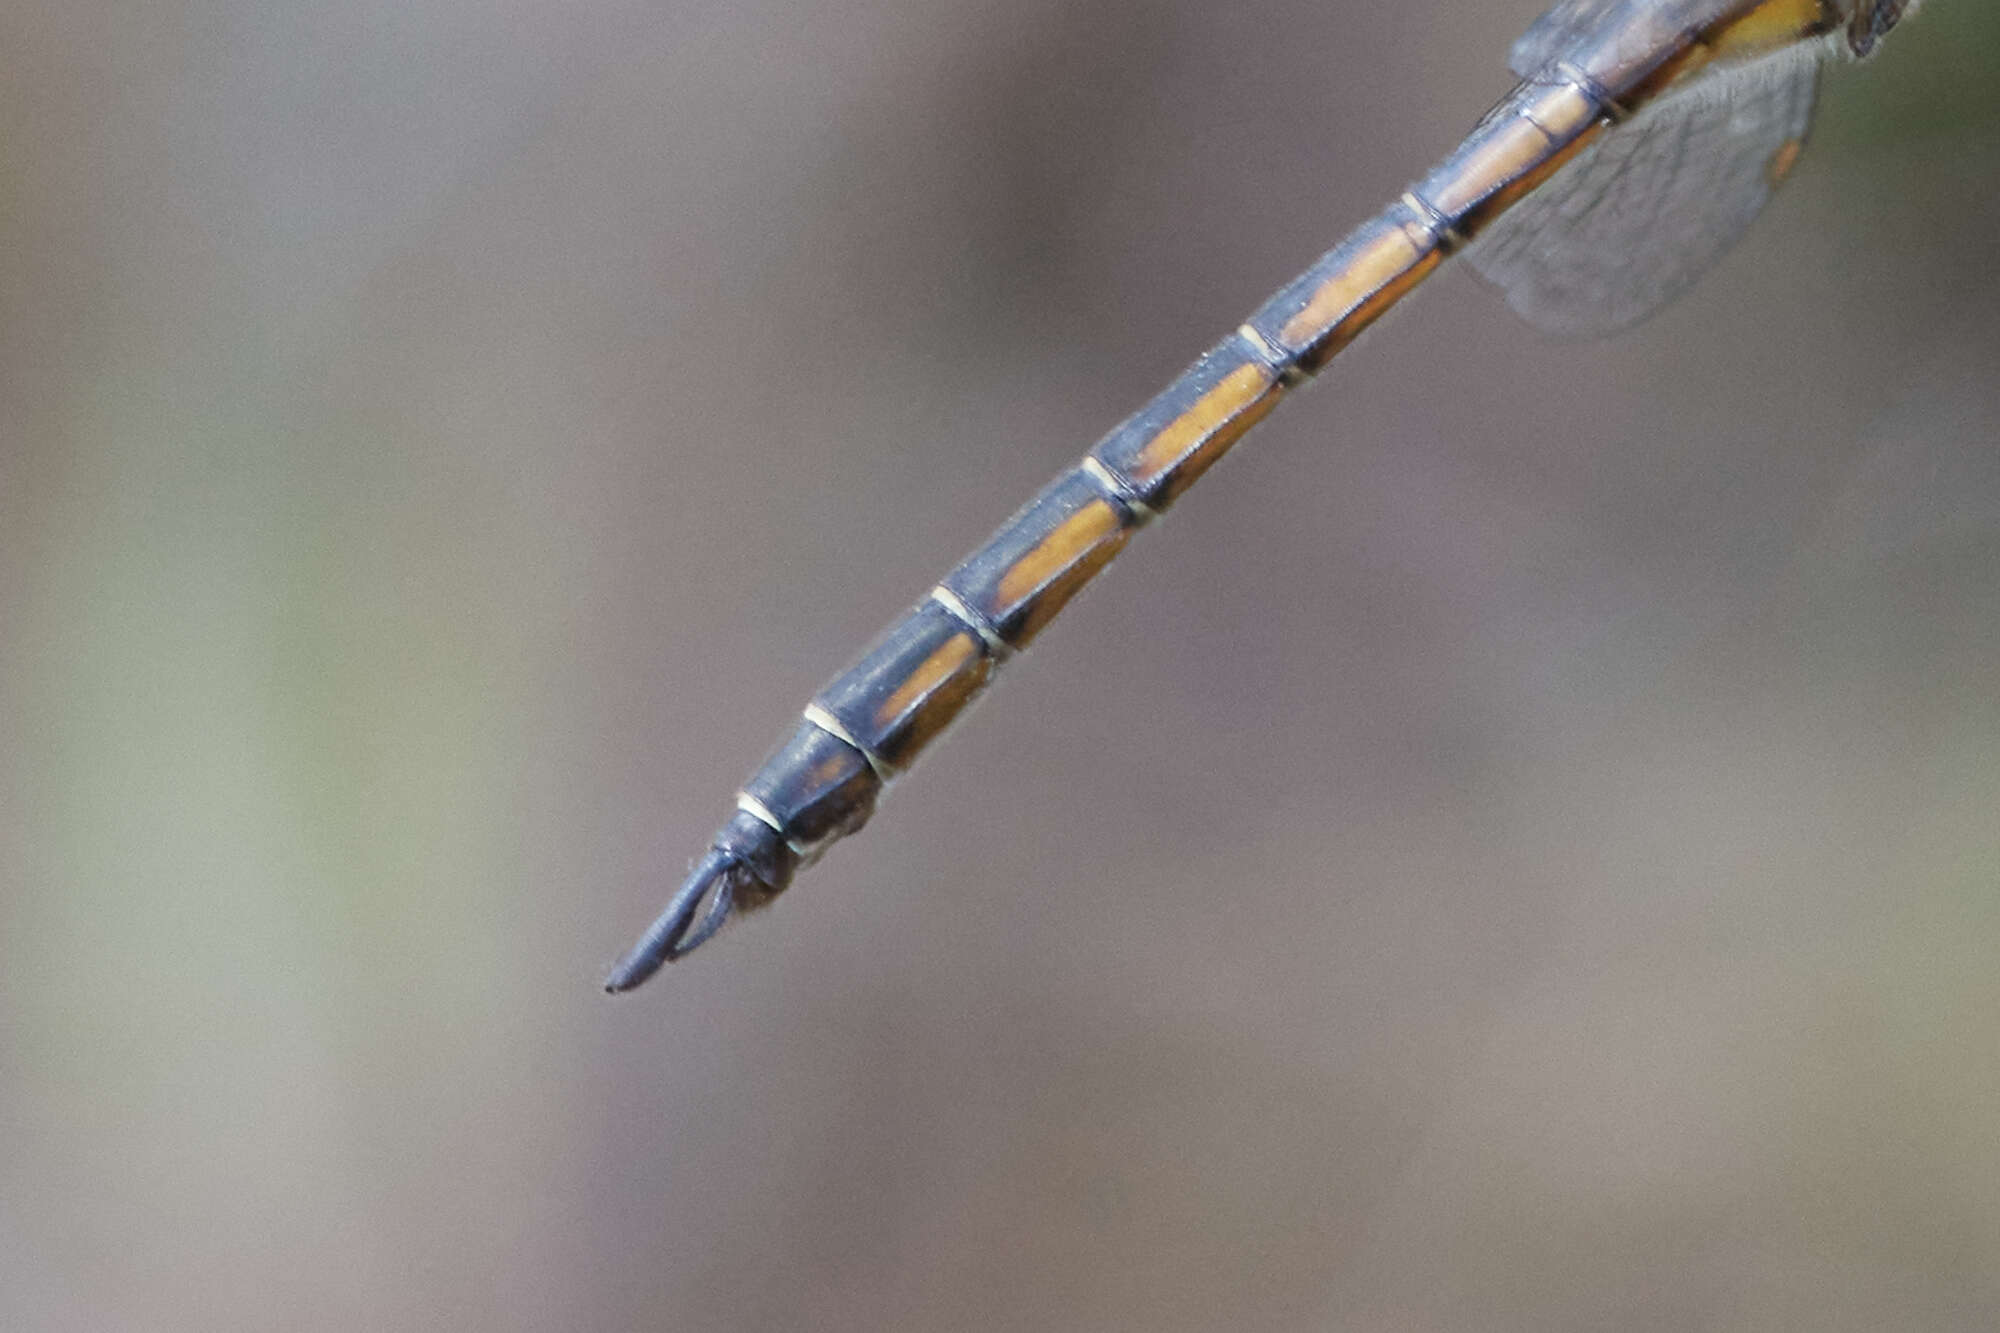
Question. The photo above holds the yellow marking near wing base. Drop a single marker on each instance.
(1767, 28)
(1771, 25)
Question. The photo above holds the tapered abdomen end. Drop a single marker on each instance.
(746, 868)
(694, 914)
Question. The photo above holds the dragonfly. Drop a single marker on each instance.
(1642, 139)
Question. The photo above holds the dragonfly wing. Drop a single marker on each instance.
(1652, 204)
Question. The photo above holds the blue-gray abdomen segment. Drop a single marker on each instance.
(870, 724)
(816, 788)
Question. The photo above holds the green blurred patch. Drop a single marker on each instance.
(1934, 78)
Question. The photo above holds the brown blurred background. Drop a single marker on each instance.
(1518, 850)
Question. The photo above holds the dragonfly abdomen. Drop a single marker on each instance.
(872, 722)
(867, 727)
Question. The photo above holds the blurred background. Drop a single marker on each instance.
(1518, 850)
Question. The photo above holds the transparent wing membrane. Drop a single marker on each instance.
(1650, 206)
